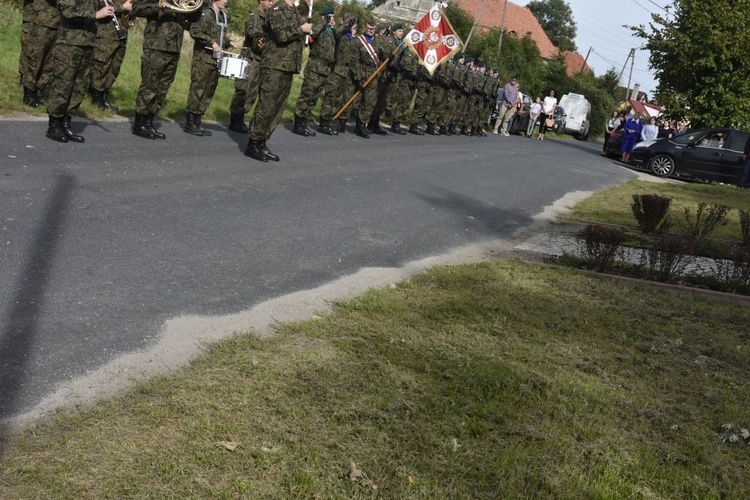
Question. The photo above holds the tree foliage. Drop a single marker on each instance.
(700, 57)
(556, 19)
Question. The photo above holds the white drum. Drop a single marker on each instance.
(234, 66)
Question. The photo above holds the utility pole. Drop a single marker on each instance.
(583, 66)
(476, 21)
(630, 76)
(502, 27)
(631, 54)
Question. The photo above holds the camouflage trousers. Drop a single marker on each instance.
(71, 74)
(158, 69)
(275, 86)
(422, 101)
(436, 113)
(401, 97)
(108, 57)
(204, 77)
(246, 91)
(385, 86)
(338, 89)
(313, 86)
(35, 60)
(367, 100)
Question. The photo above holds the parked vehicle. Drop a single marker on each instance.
(577, 110)
(713, 154)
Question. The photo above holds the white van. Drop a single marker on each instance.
(577, 111)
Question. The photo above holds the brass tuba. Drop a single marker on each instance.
(183, 6)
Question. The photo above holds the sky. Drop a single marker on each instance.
(599, 25)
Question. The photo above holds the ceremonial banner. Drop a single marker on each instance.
(433, 39)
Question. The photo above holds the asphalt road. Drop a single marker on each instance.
(102, 242)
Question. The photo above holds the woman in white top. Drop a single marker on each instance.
(548, 109)
(650, 132)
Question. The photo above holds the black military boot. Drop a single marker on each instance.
(479, 132)
(396, 128)
(361, 130)
(55, 130)
(107, 103)
(29, 99)
(463, 131)
(98, 98)
(375, 128)
(237, 123)
(72, 136)
(190, 126)
(149, 124)
(444, 130)
(139, 127)
(39, 96)
(198, 120)
(310, 132)
(324, 127)
(430, 130)
(414, 129)
(452, 130)
(342, 126)
(264, 149)
(253, 151)
(299, 126)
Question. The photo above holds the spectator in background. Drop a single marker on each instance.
(518, 108)
(507, 106)
(631, 133)
(534, 111)
(650, 131)
(612, 124)
(548, 110)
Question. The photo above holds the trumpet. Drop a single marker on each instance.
(183, 6)
(122, 33)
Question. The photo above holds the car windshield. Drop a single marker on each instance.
(688, 137)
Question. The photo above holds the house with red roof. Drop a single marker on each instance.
(519, 21)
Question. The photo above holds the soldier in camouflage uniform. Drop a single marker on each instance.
(364, 61)
(319, 65)
(246, 91)
(209, 36)
(72, 57)
(339, 84)
(162, 42)
(109, 53)
(456, 93)
(40, 23)
(281, 60)
(437, 115)
(422, 100)
(403, 90)
(387, 47)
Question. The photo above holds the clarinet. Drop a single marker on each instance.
(122, 33)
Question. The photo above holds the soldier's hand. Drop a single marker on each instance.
(232, 43)
(127, 6)
(106, 11)
(358, 85)
(307, 27)
(215, 47)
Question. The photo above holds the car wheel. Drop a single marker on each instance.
(662, 165)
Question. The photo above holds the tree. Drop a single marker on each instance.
(556, 19)
(701, 61)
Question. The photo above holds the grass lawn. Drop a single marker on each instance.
(505, 379)
(612, 206)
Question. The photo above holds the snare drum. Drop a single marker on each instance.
(234, 66)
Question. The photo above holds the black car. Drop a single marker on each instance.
(713, 154)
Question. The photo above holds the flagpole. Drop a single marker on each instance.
(367, 82)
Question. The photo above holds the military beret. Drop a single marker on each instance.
(397, 26)
(479, 64)
(468, 59)
(460, 55)
(327, 11)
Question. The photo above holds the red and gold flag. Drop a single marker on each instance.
(433, 39)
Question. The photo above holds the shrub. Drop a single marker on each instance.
(705, 221)
(745, 227)
(650, 210)
(734, 273)
(601, 244)
(669, 255)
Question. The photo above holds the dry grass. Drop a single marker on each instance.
(508, 379)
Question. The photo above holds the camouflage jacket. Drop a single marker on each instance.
(206, 30)
(343, 53)
(323, 48)
(409, 63)
(78, 23)
(105, 28)
(362, 63)
(284, 38)
(41, 12)
(165, 29)
(254, 33)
